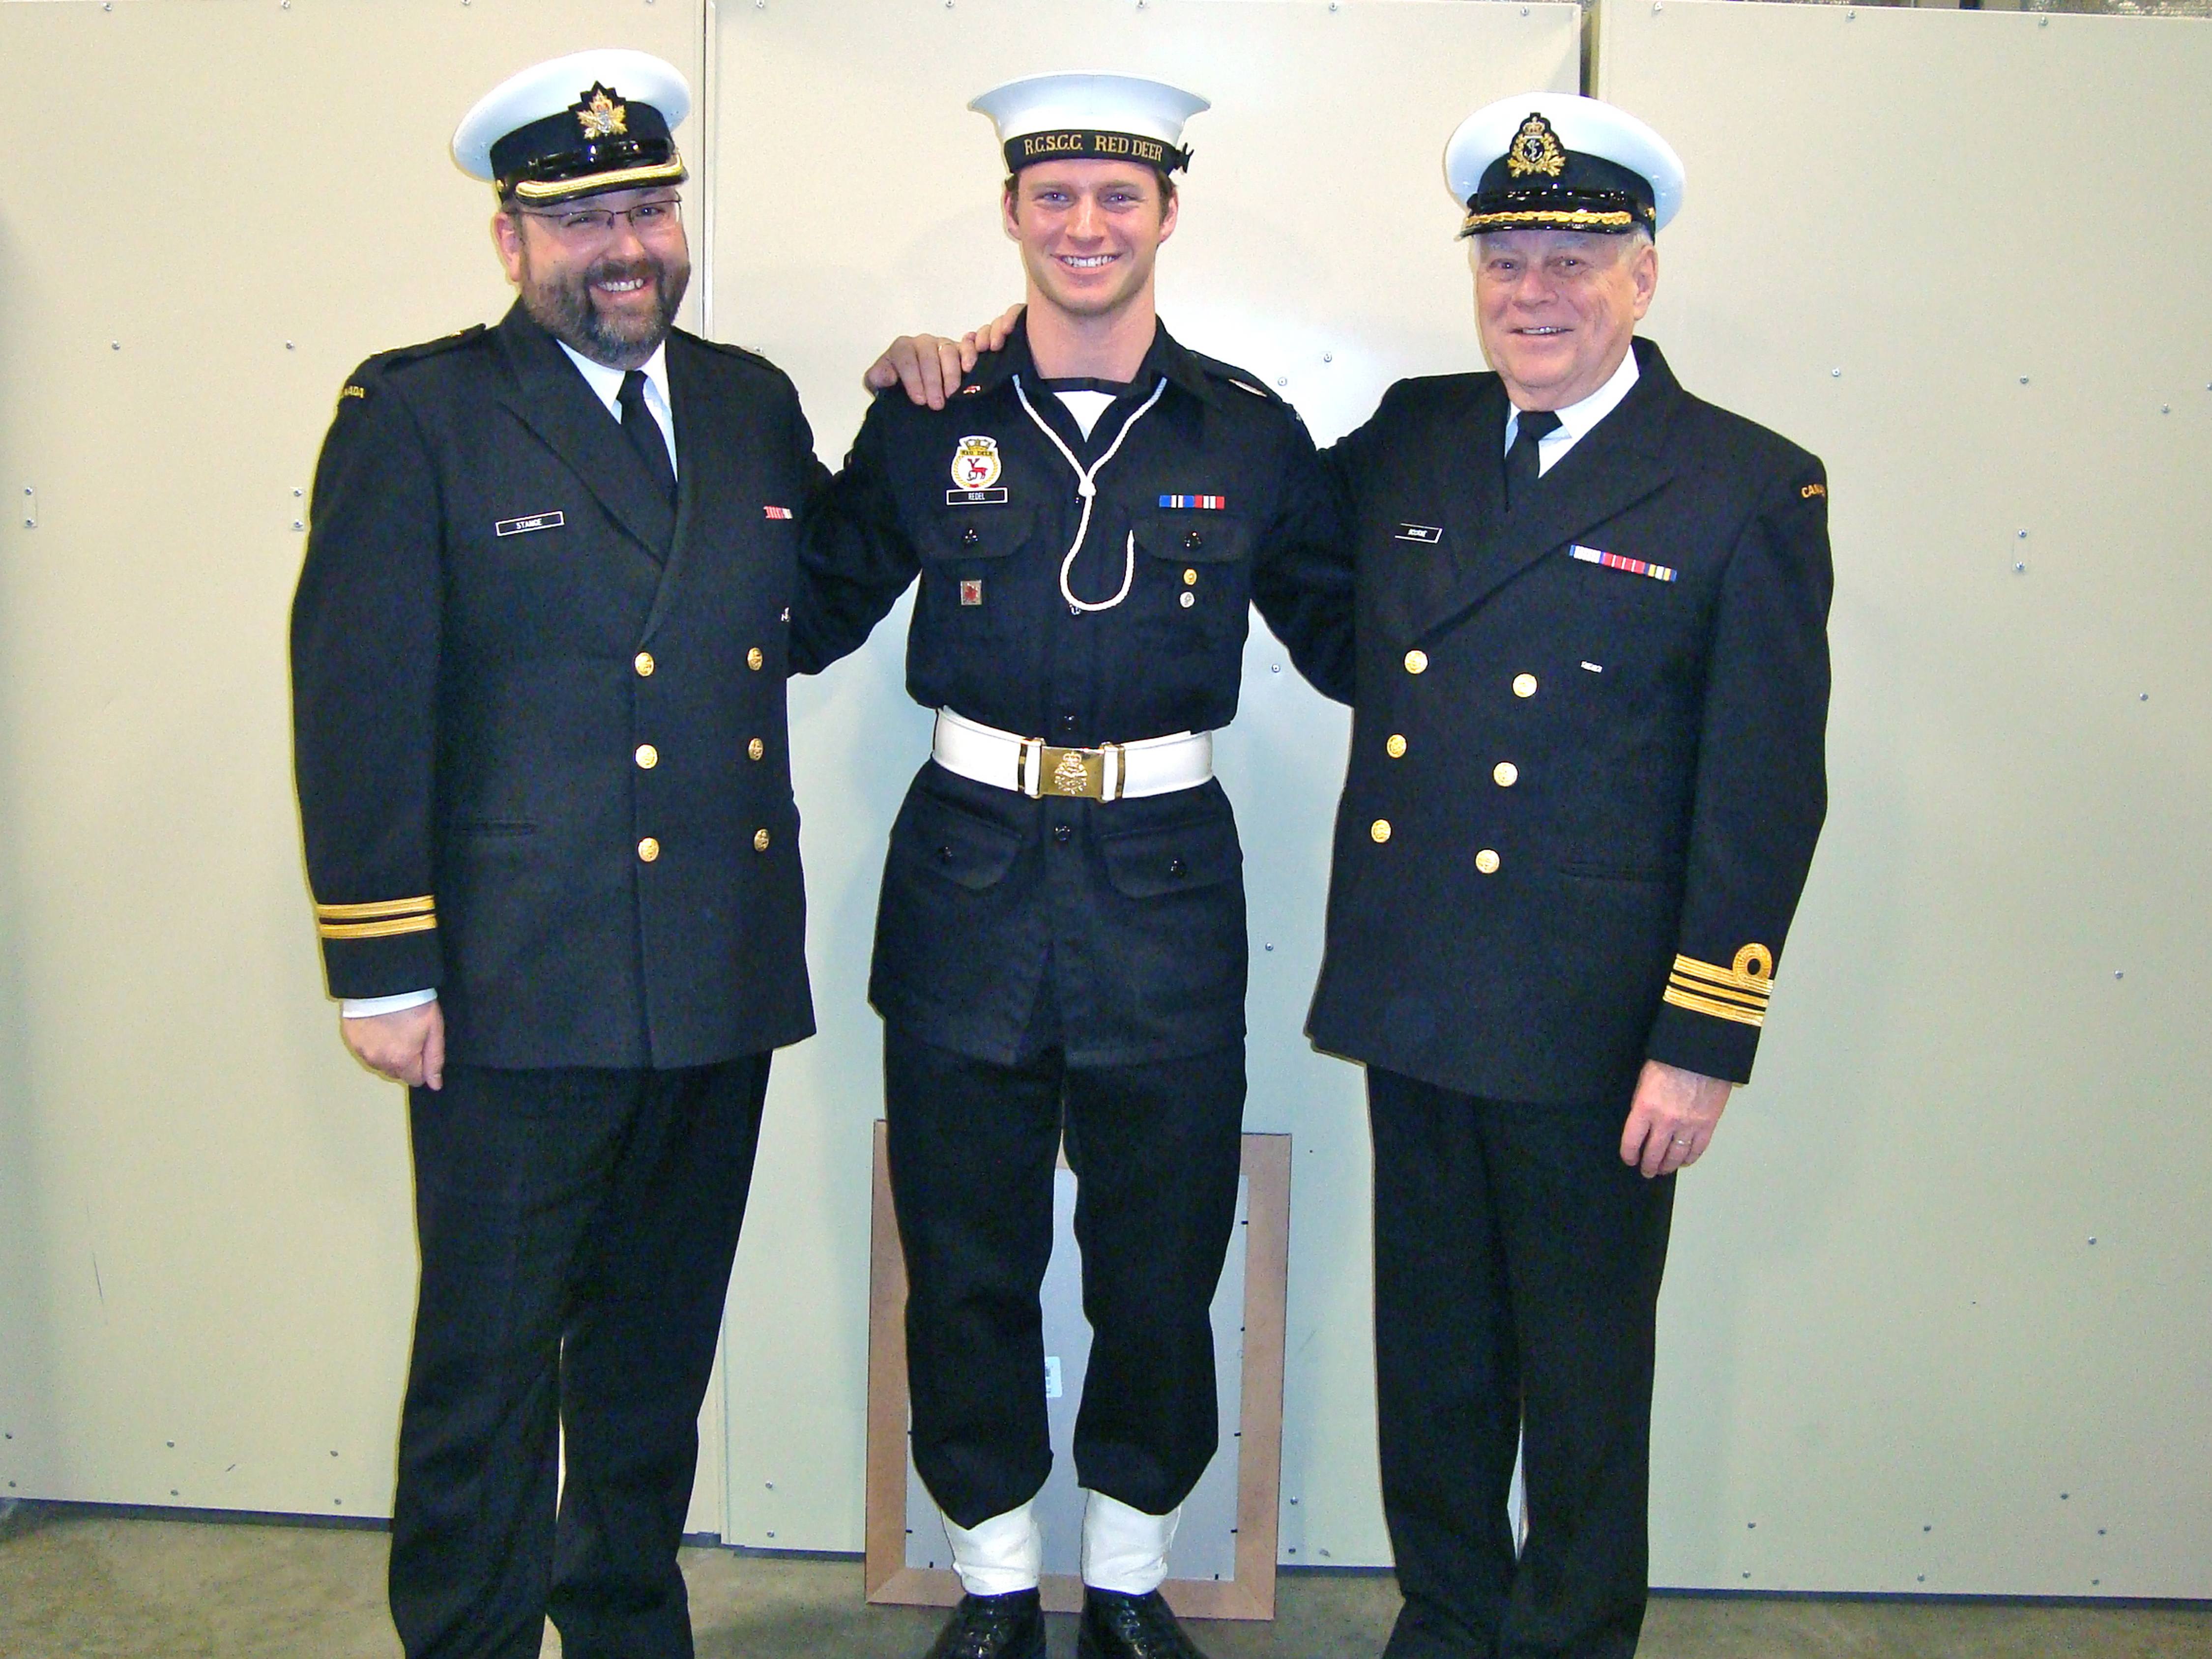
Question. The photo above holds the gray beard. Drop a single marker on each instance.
(563, 308)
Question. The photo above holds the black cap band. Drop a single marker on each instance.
(1088, 144)
(599, 143)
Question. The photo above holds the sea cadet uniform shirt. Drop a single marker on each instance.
(1122, 922)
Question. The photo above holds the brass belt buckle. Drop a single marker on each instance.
(1073, 772)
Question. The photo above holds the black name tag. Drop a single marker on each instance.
(1427, 534)
(974, 498)
(524, 526)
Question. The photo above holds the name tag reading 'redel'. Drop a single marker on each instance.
(1427, 534)
(523, 526)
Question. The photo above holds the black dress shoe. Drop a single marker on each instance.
(1009, 1627)
(1118, 1626)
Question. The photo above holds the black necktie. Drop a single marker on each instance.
(644, 435)
(1522, 468)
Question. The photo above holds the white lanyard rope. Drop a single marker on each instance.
(1088, 489)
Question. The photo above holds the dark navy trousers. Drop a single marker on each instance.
(1155, 1147)
(1517, 1288)
(576, 1230)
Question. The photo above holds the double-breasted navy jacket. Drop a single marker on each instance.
(1587, 765)
(539, 718)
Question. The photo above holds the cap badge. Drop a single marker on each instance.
(1536, 149)
(976, 462)
(599, 116)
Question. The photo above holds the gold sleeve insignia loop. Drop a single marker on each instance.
(1737, 992)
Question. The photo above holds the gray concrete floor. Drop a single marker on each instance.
(75, 1585)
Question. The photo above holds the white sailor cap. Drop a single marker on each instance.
(1553, 160)
(1105, 118)
(591, 121)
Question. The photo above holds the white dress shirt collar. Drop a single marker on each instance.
(1576, 419)
(606, 386)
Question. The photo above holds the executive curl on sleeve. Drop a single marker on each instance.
(365, 650)
(1761, 782)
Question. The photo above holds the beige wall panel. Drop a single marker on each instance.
(1936, 1314)
(207, 1265)
(858, 198)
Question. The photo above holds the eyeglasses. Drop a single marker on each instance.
(584, 225)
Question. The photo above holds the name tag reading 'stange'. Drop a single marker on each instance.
(523, 526)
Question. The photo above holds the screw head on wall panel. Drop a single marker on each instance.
(2023, 380)
(2019, 570)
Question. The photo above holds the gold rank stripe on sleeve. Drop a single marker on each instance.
(1739, 993)
(384, 919)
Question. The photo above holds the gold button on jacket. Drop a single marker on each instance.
(760, 840)
(1416, 661)
(1524, 685)
(648, 849)
(1380, 829)
(753, 658)
(1486, 861)
(1396, 747)
(756, 748)
(1506, 772)
(643, 663)
(648, 756)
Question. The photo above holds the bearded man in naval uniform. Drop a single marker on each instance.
(538, 676)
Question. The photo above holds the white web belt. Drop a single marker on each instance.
(1113, 771)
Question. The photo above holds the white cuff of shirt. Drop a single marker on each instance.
(370, 1007)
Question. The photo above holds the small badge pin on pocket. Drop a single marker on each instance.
(971, 590)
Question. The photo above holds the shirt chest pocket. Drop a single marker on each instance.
(966, 556)
(1193, 580)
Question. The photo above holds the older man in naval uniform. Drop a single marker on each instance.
(1060, 944)
(539, 669)
(1586, 779)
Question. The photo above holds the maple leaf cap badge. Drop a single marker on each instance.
(599, 114)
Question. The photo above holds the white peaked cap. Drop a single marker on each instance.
(1585, 127)
(1091, 111)
(548, 89)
